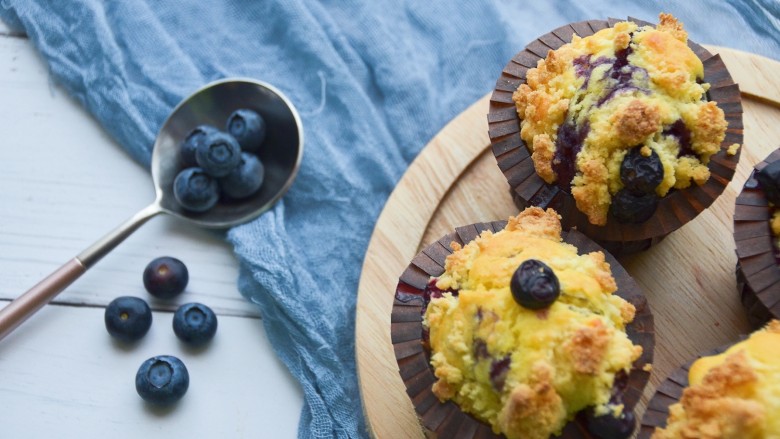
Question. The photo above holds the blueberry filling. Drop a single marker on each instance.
(498, 372)
(584, 65)
(683, 135)
(480, 349)
(431, 291)
(619, 385)
(621, 59)
(568, 144)
(607, 426)
(620, 88)
(625, 77)
(604, 78)
(620, 77)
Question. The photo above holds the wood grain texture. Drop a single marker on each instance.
(688, 278)
(76, 382)
(674, 210)
(666, 394)
(65, 183)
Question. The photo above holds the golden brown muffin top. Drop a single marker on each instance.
(592, 100)
(733, 395)
(528, 372)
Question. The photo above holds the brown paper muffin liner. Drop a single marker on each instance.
(758, 273)
(528, 189)
(668, 392)
(446, 420)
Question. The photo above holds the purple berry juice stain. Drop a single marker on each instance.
(499, 369)
(683, 135)
(568, 144)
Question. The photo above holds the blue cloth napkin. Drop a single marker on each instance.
(373, 81)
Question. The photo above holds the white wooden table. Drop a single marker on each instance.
(63, 184)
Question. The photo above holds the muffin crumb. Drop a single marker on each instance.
(636, 122)
(669, 23)
(733, 148)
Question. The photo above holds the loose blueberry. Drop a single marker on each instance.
(640, 174)
(610, 427)
(218, 154)
(192, 142)
(194, 323)
(629, 208)
(162, 380)
(165, 277)
(195, 190)
(769, 179)
(248, 128)
(245, 179)
(534, 285)
(128, 318)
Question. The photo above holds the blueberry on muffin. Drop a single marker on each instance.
(620, 118)
(524, 332)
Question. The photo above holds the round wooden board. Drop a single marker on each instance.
(689, 278)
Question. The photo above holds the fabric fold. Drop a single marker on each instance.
(373, 82)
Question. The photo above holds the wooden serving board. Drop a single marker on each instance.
(689, 278)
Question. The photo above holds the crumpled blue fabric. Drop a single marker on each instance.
(373, 81)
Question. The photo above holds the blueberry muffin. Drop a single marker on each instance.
(757, 239)
(526, 335)
(617, 120)
(733, 394)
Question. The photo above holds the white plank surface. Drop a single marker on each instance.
(64, 183)
(69, 379)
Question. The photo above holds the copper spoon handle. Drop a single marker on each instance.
(44, 291)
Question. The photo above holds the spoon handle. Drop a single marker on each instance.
(44, 291)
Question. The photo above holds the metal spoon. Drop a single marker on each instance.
(212, 104)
